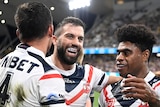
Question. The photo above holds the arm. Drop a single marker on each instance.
(52, 90)
(113, 79)
(88, 102)
(101, 99)
(155, 101)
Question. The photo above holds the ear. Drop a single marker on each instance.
(17, 33)
(146, 55)
(54, 39)
(50, 30)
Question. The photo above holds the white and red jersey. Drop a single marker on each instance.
(27, 80)
(111, 96)
(79, 82)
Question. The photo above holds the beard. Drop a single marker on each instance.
(61, 53)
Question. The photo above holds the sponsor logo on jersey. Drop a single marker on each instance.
(67, 80)
(111, 102)
(55, 97)
(86, 88)
(126, 98)
(144, 105)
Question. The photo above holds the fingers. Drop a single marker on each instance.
(133, 92)
(134, 79)
(136, 88)
(130, 76)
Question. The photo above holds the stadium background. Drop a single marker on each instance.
(102, 18)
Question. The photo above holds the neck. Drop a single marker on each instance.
(143, 73)
(40, 44)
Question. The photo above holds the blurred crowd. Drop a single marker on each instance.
(102, 33)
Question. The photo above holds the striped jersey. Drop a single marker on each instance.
(80, 81)
(111, 96)
(27, 80)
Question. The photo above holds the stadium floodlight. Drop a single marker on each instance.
(3, 21)
(75, 4)
(1, 12)
(120, 2)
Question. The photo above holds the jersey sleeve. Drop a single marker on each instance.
(106, 97)
(156, 87)
(101, 99)
(52, 90)
(99, 78)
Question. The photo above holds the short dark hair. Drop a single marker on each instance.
(139, 34)
(32, 20)
(69, 20)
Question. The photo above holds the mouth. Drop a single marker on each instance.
(120, 66)
(72, 51)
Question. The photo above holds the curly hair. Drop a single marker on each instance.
(139, 34)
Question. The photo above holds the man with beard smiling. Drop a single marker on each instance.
(134, 51)
(79, 79)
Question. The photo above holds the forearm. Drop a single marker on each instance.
(154, 102)
(113, 79)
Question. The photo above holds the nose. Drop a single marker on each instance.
(76, 42)
(120, 57)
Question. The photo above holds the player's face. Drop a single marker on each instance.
(69, 43)
(129, 59)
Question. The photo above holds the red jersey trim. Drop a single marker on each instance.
(73, 99)
(48, 76)
(105, 94)
(156, 85)
(110, 101)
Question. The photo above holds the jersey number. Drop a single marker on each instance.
(4, 96)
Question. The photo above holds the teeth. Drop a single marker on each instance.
(120, 65)
(72, 49)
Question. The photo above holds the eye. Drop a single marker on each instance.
(127, 53)
(124, 52)
(81, 39)
(70, 36)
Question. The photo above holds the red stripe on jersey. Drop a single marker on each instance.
(105, 94)
(110, 101)
(48, 76)
(145, 105)
(156, 85)
(73, 99)
(68, 102)
(90, 74)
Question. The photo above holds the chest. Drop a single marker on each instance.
(78, 86)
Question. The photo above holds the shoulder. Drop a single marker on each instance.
(51, 74)
(89, 67)
(157, 73)
(49, 59)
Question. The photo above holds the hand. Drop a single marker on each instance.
(139, 89)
